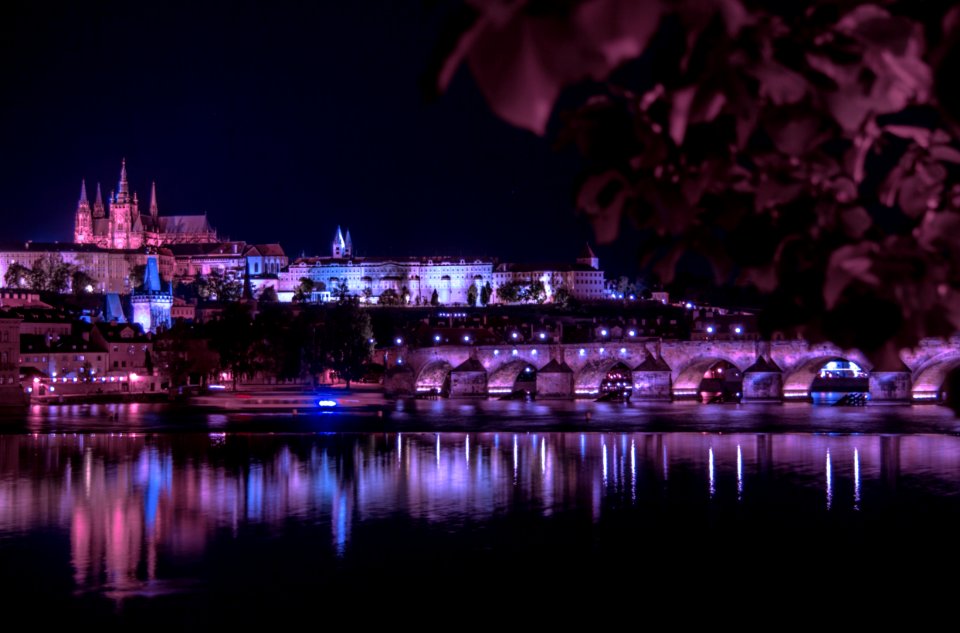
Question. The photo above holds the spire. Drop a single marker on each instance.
(338, 244)
(153, 199)
(348, 245)
(83, 194)
(123, 189)
(98, 211)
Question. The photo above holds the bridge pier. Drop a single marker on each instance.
(468, 380)
(652, 380)
(555, 381)
(399, 380)
(763, 382)
(890, 386)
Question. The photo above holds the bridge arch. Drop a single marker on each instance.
(804, 379)
(434, 378)
(928, 380)
(589, 380)
(505, 378)
(689, 381)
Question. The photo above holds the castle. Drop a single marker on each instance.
(122, 226)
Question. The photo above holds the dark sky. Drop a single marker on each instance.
(279, 121)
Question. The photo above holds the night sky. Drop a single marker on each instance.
(279, 122)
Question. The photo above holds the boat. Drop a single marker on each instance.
(319, 401)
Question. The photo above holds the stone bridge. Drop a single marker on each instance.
(659, 370)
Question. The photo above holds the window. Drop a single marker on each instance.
(116, 363)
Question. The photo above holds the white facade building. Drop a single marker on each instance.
(583, 280)
(414, 280)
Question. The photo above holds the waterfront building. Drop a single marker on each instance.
(63, 356)
(407, 280)
(9, 359)
(127, 349)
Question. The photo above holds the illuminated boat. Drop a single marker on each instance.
(331, 401)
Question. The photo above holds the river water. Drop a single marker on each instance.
(143, 516)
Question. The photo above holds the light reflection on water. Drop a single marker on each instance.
(130, 503)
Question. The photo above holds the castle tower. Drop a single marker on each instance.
(99, 211)
(83, 224)
(348, 246)
(339, 246)
(152, 302)
(588, 258)
(123, 214)
(154, 210)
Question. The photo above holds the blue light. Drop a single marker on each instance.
(738, 329)
(710, 329)
(632, 332)
(326, 403)
(437, 338)
(583, 351)
(542, 336)
(217, 387)
(398, 341)
(603, 332)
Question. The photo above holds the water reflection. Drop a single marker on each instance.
(128, 502)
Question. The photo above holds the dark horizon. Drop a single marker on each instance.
(279, 126)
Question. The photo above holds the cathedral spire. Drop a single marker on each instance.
(153, 199)
(98, 209)
(123, 189)
(83, 194)
(338, 244)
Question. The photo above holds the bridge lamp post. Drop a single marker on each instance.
(398, 341)
(738, 330)
(436, 338)
(466, 338)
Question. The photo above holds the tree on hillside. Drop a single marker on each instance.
(345, 339)
(82, 282)
(301, 294)
(485, 293)
(435, 298)
(17, 276)
(268, 295)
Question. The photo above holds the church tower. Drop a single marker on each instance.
(83, 225)
(123, 214)
(99, 211)
(120, 203)
(339, 246)
(152, 301)
(588, 258)
(348, 246)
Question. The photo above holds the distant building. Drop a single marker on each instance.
(583, 280)
(229, 259)
(22, 299)
(126, 346)
(10, 390)
(412, 280)
(152, 301)
(110, 269)
(120, 225)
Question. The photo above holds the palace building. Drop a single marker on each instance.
(413, 280)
